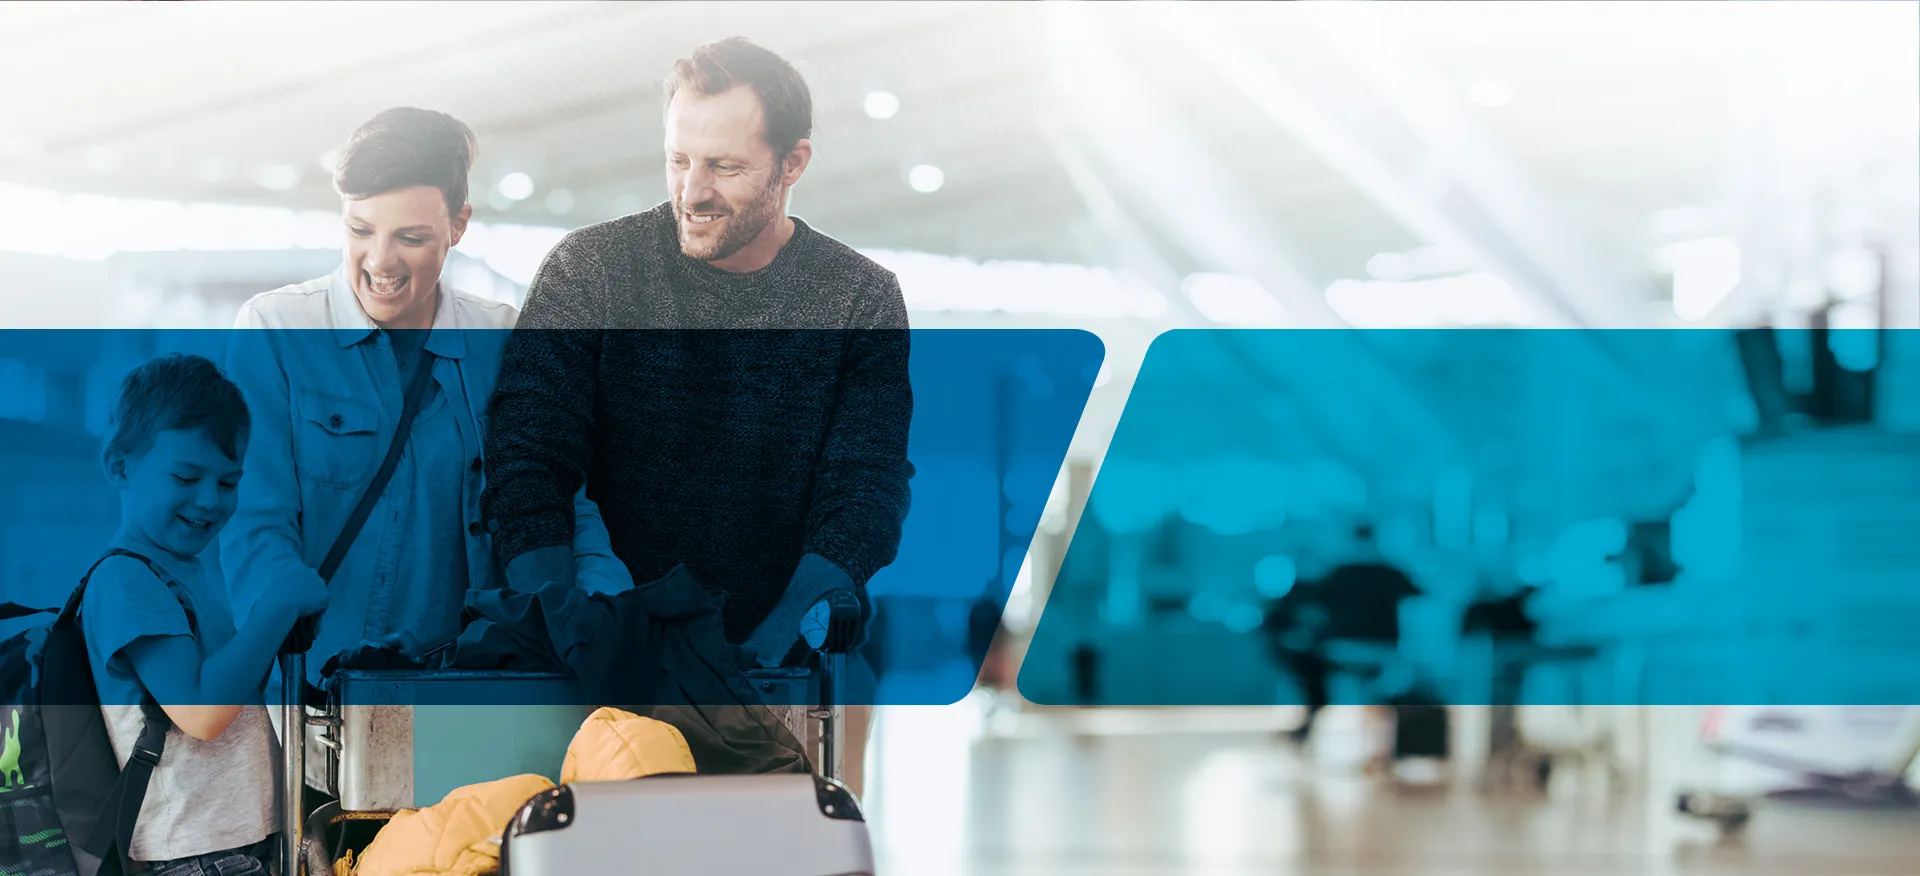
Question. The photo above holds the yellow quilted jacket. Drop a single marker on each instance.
(460, 835)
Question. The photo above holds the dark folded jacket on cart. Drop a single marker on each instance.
(657, 650)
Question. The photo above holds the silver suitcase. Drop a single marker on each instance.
(691, 825)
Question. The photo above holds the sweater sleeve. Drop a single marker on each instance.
(860, 489)
(539, 440)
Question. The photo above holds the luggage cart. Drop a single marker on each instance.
(366, 733)
(1883, 787)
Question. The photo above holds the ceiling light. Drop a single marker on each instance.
(278, 177)
(15, 146)
(1680, 222)
(559, 202)
(1477, 299)
(1232, 300)
(100, 158)
(926, 178)
(1438, 260)
(882, 105)
(1705, 271)
(1389, 266)
(516, 186)
(1490, 93)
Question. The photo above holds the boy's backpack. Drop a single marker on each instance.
(66, 806)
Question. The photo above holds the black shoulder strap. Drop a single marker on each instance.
(416, 391)
(122, 809)
(301, 638)
(71, 611)
(129, 791)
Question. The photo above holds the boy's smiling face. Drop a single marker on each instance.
(180, 491)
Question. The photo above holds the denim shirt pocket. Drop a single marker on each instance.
(336, 440)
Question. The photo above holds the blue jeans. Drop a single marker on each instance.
(233, 862)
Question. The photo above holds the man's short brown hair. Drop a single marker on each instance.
(717, 68)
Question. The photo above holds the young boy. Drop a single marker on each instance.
(179, 430)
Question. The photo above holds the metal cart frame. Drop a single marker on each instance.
(300, 857)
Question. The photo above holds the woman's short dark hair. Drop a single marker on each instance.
(408, 146)
(717, 68)
(176, 391)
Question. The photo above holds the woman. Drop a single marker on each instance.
(326, 405)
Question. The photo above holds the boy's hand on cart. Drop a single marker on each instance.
(305, 601)
(308, 599)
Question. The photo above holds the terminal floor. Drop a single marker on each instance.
(1146, 794)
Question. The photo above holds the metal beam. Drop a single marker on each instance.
(1131, 246)
(1446, 182)
(1420, 157)
(1124, 127)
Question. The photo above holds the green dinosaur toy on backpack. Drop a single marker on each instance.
(66, 809)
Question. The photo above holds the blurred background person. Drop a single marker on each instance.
(1346, 620)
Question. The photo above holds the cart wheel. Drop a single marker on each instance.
(313, 857)
(1732, 822)
(330, 830)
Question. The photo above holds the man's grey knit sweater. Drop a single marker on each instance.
(731, 422)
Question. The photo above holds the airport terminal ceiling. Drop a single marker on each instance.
(569, 94)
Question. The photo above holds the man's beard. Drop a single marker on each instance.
(743, 225)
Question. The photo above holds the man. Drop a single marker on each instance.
(730, 384)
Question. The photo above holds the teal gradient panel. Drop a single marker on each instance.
(1586, 516)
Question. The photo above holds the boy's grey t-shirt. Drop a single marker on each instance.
(206, 795)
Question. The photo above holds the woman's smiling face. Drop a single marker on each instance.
(397, 242)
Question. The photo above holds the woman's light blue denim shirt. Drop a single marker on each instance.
(325, 394)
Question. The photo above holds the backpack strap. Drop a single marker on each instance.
(11, 610)
(173, 585)
(129, 791)
(122, 810)
(71, 611)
